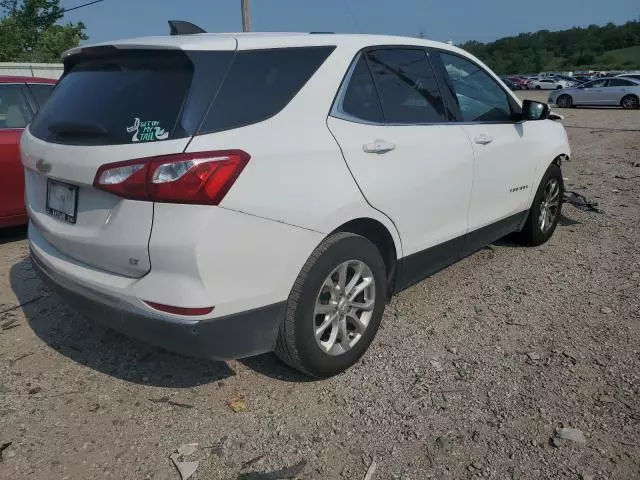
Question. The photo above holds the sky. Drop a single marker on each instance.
(443, 20)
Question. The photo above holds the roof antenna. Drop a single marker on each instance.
(180, 27)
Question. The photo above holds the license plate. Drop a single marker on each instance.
(62, 201)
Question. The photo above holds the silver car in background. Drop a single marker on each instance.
(615, 91)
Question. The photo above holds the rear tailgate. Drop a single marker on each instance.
(112, 105)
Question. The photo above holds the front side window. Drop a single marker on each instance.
(14, 112)
(407, 86)
(479, 96)
(596, 84)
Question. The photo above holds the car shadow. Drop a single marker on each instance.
(270, 366)
(12, 234)
(510, 241)
(101, 348)
(565, 221)
(107, 351)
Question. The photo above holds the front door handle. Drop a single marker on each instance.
(483, 139)
(378, 146)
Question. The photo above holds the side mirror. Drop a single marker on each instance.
(535, 110)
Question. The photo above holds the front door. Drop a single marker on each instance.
(591, 93)
(408, 160)
(504, 149)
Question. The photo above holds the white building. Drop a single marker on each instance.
(44, 70)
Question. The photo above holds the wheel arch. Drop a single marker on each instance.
(628, 95)
(378, 234)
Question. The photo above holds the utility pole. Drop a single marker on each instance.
(246, 16)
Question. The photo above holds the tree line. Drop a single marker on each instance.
(29, 31)
(573, 49)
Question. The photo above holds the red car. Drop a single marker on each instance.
(520, 82)
(20, 99)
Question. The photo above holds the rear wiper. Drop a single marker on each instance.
(79, 129)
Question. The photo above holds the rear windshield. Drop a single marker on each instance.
(128, 96)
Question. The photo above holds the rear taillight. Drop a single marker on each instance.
(201, 178)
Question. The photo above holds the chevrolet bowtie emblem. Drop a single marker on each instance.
(43, 166)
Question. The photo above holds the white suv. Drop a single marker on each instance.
(225, 195)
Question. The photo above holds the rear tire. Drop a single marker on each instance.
(538, 87)
(564, 101)
(546, 209)
(320, 298)
(630, 102)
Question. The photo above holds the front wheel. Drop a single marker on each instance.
(630, 102)
(545, 211)
(335, 306)
(538, 87)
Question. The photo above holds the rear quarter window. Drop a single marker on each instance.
(260, 83)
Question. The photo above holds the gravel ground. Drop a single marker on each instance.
(469, 376)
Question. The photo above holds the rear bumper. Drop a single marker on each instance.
(233, 336)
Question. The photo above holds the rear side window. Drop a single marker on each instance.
(260, 83)
(127, 96)
(14, 112)
(619, 82)
(407, 86)
(41, 91)
(360, 99)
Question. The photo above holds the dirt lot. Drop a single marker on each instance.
(469, 376)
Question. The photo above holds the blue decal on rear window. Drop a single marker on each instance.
(147, 131)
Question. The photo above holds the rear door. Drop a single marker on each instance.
(111, 106)
(617, 88)
(15, 113)
(506, 150)
(409, 161)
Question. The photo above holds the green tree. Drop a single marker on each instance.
(29, 31)
(594, 46)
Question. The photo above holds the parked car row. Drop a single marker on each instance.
(622, 91)
(556, 81)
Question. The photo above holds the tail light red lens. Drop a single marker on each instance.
(201, 178)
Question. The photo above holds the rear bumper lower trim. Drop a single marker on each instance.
(234, 336)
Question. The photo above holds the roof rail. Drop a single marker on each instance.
(180, 27)
(320, 33)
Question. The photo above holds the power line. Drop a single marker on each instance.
(353, 17)
(65, 10)
(81, 6)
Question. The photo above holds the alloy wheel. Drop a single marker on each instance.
(550, 205)
(564, 101)
(630, 103)
(344, 307)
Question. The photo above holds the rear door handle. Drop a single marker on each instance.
(378, 146)
(483, 139)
